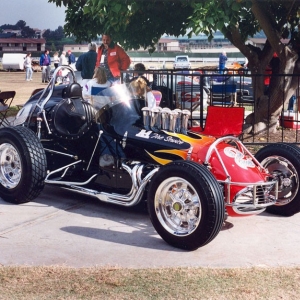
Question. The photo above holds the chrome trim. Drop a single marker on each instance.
(227, 183)
(99, 136)
(10, 166)
(40, 104)
(61, 153)
(178, 206)
(184, 123)
(146, 117)
(266, 198)
(58, 170)
(130, 199)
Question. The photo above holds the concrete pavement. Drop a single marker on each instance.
(66, 228)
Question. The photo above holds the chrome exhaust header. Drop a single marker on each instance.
(157, 119)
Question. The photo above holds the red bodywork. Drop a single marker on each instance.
(233, 166)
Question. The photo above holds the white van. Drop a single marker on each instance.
(13, 61)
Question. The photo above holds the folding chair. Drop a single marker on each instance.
(222, 121)
(6, 99)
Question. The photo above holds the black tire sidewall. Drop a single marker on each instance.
(206, 187)
(15, 137)
(292, 154)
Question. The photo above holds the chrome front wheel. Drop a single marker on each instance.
(178, 206)
(186, 205)
(10, 166)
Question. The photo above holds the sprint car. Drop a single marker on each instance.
(123, 152)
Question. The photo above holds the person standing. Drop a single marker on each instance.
(71, 59)
(222, 61)
(62, 59)
(112, 58)
(86, 63)
(45, 63)
(28, 67)
(55, 59)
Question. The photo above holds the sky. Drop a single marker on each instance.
(36, 13)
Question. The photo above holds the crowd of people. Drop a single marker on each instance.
(100, 67)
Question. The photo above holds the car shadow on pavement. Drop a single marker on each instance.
(117, 224)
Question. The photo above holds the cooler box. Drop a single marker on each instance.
(290, 120)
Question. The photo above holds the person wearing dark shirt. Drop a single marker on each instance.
(71, 59)
(45, 63)
(222, 61)
(86, 63)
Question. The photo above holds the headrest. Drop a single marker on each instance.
(73, 91)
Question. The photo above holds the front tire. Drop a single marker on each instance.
(22, 165)
(283, 162)
(186, 205)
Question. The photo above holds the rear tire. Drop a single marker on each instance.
(23, 165)
(283, 162)
(186, 205)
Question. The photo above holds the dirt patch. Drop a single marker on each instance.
(15, 81)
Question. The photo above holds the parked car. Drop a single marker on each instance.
(182, 62)
(125, 153)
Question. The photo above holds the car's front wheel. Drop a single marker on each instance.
(186, 205)
(22, 165)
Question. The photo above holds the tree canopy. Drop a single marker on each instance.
(133, 24)
(138, 23)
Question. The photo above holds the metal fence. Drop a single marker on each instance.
(196, 89)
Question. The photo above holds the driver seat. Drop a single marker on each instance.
(72, 116)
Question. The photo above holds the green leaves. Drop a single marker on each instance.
(139, 23)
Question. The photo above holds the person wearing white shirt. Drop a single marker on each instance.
(63, 61)
(28, 67)
(92, 90)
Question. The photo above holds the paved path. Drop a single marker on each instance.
(66, 228)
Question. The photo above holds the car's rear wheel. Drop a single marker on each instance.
(283, 162)
(22, 165)
(186, 205)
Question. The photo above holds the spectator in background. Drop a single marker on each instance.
(28, 67)
(292, 103)
(62, 59)
(86, 63)
(55, 59)
(139, 89)
(267, 78)
(140, 68)
(71, 59)
(112, 58)
(140, 85)
(45, 63)
(222, 61)
(92, 89)
(273, 66)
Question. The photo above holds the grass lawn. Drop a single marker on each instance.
(60, 282)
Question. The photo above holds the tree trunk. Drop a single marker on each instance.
(268, 107)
